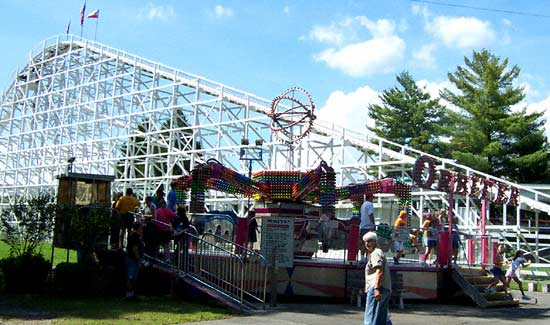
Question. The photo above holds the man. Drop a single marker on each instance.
(134, 253)
(125, 206)
(367, 222)
(377, 283)
(172, 197)
(399, 243)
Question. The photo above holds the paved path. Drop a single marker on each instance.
(414, 313)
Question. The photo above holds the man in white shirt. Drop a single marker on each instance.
(367, 222)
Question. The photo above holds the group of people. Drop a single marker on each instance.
(160, 222)
(499, 263)
(155, 208)
(434, 223)
(377, 274)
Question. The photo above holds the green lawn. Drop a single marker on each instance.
(60, 254)
(147, 310)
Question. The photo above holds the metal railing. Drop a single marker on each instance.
(232, 269)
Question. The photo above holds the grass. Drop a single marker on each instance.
(56, 310)
(60, 254)
(149, 310)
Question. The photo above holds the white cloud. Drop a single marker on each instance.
(152, 12)
(366, 58)
(286, 10)
(538, 107)
(461, 32)
(350, 110)
(434, 87)
(327, 34)
(360, 57)
(425, 56)
(403, 25)
(221, 11)
(421, 10)
(529, 90)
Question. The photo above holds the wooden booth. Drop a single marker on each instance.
(84, 209)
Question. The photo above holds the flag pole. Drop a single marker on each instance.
(95, 33)
(82, 15)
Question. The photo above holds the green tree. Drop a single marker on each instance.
(157, 144)
(410, 116)
(27, 223)
(489, 136)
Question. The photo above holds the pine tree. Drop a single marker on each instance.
(411, 117)
(488, 136)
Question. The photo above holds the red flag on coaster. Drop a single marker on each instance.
(94, 14)
(82, 13)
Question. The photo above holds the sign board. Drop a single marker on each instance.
(278, 232)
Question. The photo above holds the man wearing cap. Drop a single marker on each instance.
(377, 283)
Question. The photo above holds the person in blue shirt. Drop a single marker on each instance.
(172, 197)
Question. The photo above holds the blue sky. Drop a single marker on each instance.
(343, 52)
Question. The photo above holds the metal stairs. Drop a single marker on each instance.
(196, 261)
(473, 282)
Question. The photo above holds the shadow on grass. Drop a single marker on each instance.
(161, 310)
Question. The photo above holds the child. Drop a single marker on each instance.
(498, 270)
(400, 222)
(518, 261)
(430, 238)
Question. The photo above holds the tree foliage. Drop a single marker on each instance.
(28, 223)
(488, 135)
(410, 116)
(150, 148)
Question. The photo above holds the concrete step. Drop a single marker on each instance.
(479, 279)
(503, 303)
(495, 295)
(471, 271)
(482, 286)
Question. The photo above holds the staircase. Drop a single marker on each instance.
(229, 273)
(474, 280)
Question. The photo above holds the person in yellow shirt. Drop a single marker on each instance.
(400, 222)
(430, 235)
(125, 206)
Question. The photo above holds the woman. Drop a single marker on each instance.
(164, 218)
(377, 282)
(149, 208)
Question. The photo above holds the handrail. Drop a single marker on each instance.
(234, 270)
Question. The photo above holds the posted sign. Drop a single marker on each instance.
(278, 232)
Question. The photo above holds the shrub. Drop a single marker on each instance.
(28, 223)
(25, 274)
(87, 280)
